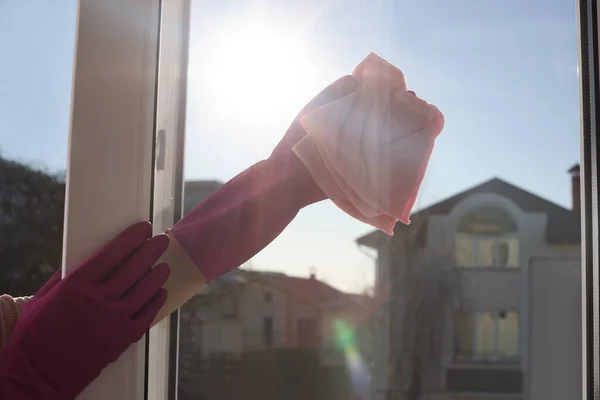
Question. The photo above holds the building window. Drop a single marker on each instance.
(307, 332)
(487, 237)
(487, 335)
(268, 296)
(268, 331)
(229, 307)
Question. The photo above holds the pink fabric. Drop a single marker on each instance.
(369, 150)
(246, 214)
(251, 210)
(74, 327)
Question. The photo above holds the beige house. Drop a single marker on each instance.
(250, 311)
(515, 332)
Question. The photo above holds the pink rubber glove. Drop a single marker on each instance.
(251, 210)
(76, 326)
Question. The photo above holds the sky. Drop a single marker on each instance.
(504, 74)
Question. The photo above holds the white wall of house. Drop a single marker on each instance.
(222, 337)
(254, 306)
(545, 290)
(381, 323)
(555, 366)
(240, 314)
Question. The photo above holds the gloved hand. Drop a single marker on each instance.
(252, 209)
(74, 327)
(337, 90)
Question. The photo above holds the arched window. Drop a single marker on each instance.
(487, 237)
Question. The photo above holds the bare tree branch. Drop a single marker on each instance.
(424, 288)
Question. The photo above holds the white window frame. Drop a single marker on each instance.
(168, 178)
(476, 357)
(120, 170)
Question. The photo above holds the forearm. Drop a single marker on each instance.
(235, 223)
(246, 214)
(223, 232)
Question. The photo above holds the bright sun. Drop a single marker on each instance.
(257, 72)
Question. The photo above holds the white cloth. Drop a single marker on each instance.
(369, 151)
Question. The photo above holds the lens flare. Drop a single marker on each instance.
(357, 370)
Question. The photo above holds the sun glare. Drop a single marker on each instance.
(255, 72)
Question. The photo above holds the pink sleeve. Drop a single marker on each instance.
(246, 214)
(10, 309)
(19, 380)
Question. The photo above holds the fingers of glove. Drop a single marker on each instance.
(146, 315)
(54, 279)
(134, 268)
(338, 89)
(101, 264)
(143, 291)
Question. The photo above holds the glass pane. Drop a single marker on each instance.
(37, 42)
(510, 103)
(487, 221)
(501, 254)
(508, 335)
(268, 331)
(229, 307)
(464, 339)
(465, 251)
(510, 256)
(486, 252)
(485, 331)
(307, 332)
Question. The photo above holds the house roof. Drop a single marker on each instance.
(309, 289)
(563, 225)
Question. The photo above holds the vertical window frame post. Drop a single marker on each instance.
(110, 174)
(589, 96)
